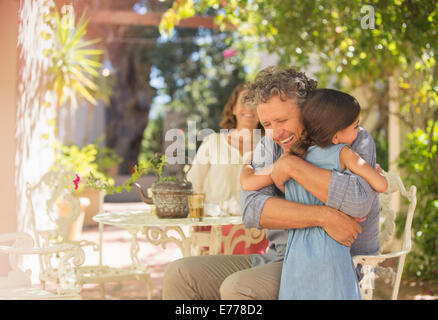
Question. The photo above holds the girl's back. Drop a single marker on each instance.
(316, 266)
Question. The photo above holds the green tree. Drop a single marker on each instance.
(360, 43)
(152, 140)
(198, 78)
(127, 114)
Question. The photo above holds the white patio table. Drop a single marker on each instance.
(162, 231)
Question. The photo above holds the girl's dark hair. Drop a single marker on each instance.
(325, 112)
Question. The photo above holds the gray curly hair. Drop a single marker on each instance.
(274, 81)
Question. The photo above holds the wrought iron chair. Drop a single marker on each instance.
(55, 183)
(370, 264)
(17, 285)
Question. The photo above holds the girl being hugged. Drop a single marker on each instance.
(316, 266)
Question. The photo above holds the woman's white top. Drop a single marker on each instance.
(216, 172)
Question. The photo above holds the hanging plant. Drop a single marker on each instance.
(156, 165)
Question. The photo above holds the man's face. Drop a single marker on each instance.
(281, 120)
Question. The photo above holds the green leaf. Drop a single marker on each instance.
(84, 92)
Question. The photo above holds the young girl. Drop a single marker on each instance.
(316, 266)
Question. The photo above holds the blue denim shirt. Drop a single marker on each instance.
(347, 192)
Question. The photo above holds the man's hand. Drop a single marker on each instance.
(341, 227)
(280, 170)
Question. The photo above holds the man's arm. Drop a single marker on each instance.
(279, 213)
(261, 209)
(252, 202)
(358, 195)
(344, 191)
(265, 209)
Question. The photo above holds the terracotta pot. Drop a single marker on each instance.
(64, 210)
(114, 170)
(96, 205)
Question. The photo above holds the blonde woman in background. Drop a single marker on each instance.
(219, 160)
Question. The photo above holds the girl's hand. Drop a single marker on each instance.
(379, 168)
(280, 170)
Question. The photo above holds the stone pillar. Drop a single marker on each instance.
(8, 110)
(35, 111)
(394, 132)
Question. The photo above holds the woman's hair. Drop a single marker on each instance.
(228, 120)
(325, 112)
(274, 81)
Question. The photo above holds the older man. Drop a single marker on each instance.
(279, 94)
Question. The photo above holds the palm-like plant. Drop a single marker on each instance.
(75, 66)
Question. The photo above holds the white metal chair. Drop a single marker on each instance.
(56, 183)
(370, 264)
(17, 285)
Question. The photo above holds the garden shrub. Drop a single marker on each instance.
(420, 166)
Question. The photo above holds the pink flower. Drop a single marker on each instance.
(76, 182)
(228, 53)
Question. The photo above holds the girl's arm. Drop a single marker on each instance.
(359, 166)
(251, 181)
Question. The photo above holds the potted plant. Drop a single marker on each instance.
(169, 194)
(91, 159)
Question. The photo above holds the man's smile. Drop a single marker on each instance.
(285, 141)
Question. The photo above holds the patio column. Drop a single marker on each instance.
(35, 110)
(394, 132)
(8, 110)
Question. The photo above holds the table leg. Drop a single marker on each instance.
(134, 250)
(100, 243)
(158, 236)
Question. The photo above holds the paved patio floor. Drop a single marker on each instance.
(116, 245)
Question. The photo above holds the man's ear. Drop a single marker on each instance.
(335, 139)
